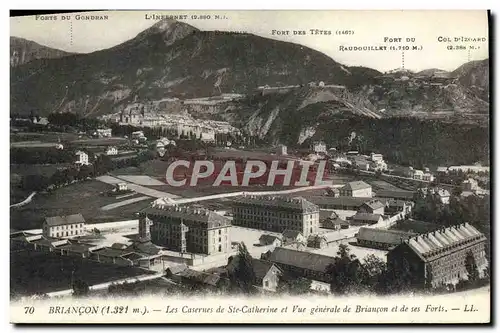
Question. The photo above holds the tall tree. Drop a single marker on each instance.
(80, 288)
(471, 267)
(374, 267)
(241, 274)
(297, 286)
(344, 272)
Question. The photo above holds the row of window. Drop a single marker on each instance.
(280, 214)
(64, 234)
(67, 227)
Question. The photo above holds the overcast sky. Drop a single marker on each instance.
(369, 27)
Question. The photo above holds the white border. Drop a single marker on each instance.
(254, 5)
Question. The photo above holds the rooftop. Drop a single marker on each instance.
(200, 277)
(291, 233)
(366, 217)
(305, 260)
(340, 201)
(292, 203)
(396, 194)
(374, 204)
(268, 239)
(64, 220)
(432, 244)
(188, 214)
(356, 185)
(383, 236)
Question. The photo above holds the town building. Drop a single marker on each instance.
(438, 258)
(82, 158)
(319, 147)
(420, 175)
(137, 135)
(332, 192)
(64, 226)
(470, 185)
(196, 280)
(394, 206)
(366, 218)
(104, 132)
(276, 213)
(340, 203)
(112, 151)
(317, 241)
(331, 220)
(442, 194)
(292, 236)
(442, 170)
(380, 238)
(266, 240)
(302, 264)
(121, 187)
(357, 189)
(395, 194)
(298, 246)
(378, 166)
(376, 157)
(372, 207)
(42, 121)
(282, 150)
(469, 168)
(189, 229)
(267, 274)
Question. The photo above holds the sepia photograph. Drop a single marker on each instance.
(251, 166)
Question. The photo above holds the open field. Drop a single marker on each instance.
(141, 180)
(100, 142)
(52, 137)
(86, 198)
(383, 185)
(37, 169)
(137, 188)
(123, 203)
(37, 272)
(33, 144)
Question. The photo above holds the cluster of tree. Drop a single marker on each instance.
(349, 275)
(472, 209)
(41, 156)
(101, 164)
(126, 289)
(63, 176)
(80, 288)
(242, 278)
(241, 273)
(67, 119)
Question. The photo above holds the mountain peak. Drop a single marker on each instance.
(170, 30)
(23, 51)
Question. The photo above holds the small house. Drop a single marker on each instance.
(358, 189)
(380, 238)
(64, 226)
(317, 241)
(266, 240)
(120, 187)
(372, 207)
(112, 151)
(82, 158)
(366, 218)
(290, 236)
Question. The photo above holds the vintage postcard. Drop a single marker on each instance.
(250, 167)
